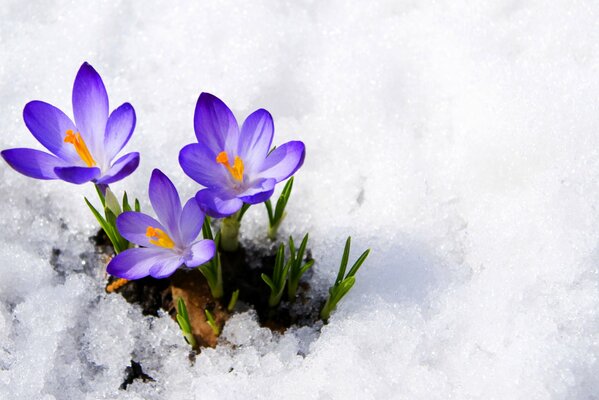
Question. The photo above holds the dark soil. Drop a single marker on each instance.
(135, 372)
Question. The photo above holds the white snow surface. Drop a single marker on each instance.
(456, 139)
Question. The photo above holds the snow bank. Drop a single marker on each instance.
(458, 141)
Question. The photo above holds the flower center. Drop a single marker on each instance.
(236, 170)
(80, 147)
(159, 238)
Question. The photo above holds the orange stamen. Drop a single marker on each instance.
(159, 238)
(236, 170)
(80, 147)
(116, 285)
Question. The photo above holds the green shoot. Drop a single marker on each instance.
(233, 300)
(112, 209)
(183, 320)
(279, 277)
(296, 269)
(343, 283)
(212, 322)
(212, 270)
(276, 217)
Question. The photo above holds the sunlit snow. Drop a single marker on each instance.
(458, 140)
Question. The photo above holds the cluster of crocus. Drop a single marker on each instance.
(236, 167)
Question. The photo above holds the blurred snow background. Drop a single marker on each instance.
(458, 140)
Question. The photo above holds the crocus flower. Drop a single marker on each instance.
(168, 242)
(82, 151)
(234, 165)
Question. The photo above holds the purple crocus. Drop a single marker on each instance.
(234, 164)
(82, 151)
(168, 242)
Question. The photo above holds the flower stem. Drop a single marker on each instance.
(229, 233)
(274, 229)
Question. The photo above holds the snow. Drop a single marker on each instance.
(457, 140)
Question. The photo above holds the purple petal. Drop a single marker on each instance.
(255, 139)
(133, 226)
(284, 161)
(166, 267)
(216, 204)
(33, 163)
(215, 125)
(118, 130)
(77, 175)
(259, 191)
(90, 107)
(121, 169)
(199, 253)
(49, 126)
(136, 263)
(191, 221)
(166, 203)
(199, 163)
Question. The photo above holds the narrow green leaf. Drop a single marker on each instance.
(358, 263)
(268, 205)
(269, 282)
(283, 199)
(137, 206)
(126, 205)
(183, 324)
(242, 211)
(306, 267)
(210, 320)
(291, 248)
(112, 203)
(207, 229)
(233, 300)
(344, 260)
(100, 195)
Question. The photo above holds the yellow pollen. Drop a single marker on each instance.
(80, 147)
(236, 170)
(159, 238)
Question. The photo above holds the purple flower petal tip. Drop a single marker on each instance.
(32, 163)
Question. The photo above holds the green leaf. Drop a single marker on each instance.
(207, 229)
(242, 211)
(268, 206)
(233, 300)
(137, 206)
(344, 260)
(291, 248)
(126, 205)
(112, 203)
(183, 324)
(306, 267)
(108, 229)
(100, 195)
(182, 309)
(358, 263)
(283, 199)
(210, 320)
(269, 282)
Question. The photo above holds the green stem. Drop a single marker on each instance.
(229, 233)
(325, 313)
(274, 228)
